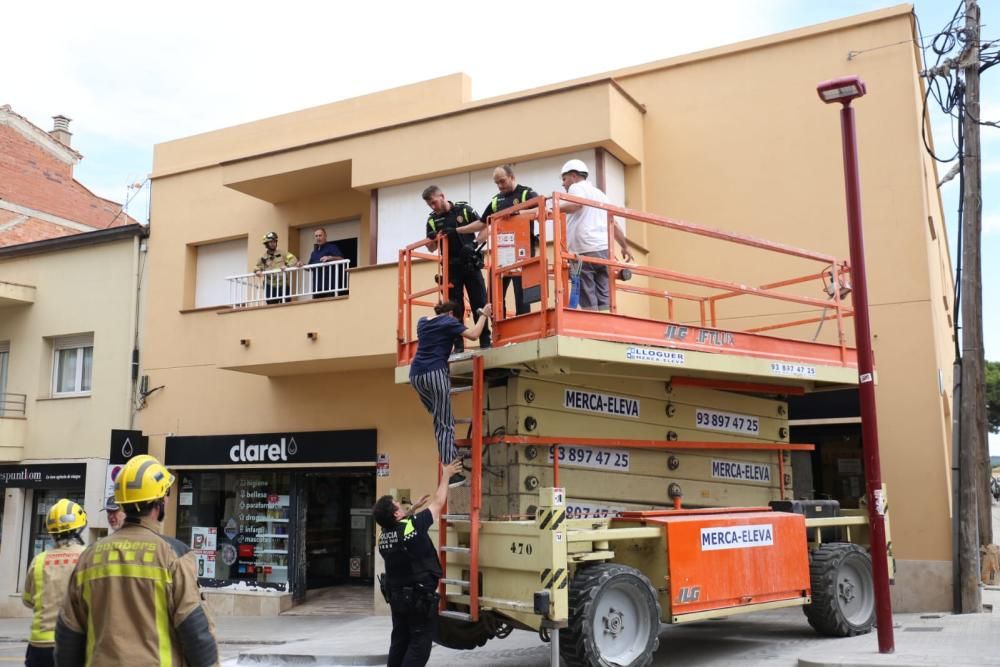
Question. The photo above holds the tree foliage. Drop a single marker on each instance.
(993, 395)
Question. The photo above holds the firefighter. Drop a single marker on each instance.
(48, 578)
(457, 222)
(276, 285)
(412, 571)
(134, 597)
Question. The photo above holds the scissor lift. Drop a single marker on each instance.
(555, 533)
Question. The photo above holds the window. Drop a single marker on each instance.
(238, 524)
(402, 213)
(72, 365)
(42, 502)
(215, 263)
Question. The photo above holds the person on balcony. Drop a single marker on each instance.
(277, 284)
(429, 372)
(509, 194)
(327, 280)
(456, 222)
(587, 235)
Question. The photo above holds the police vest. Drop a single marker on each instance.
(495, 203)
(464, 211)
(405, 561)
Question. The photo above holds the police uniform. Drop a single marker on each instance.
(46, 585)
(412, 571)
(500, 201)
(133, 598)
(462, 271)
(276, 284)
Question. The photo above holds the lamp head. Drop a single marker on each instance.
(844, 90)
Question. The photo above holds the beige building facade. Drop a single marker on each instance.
(69, 323)
(284, 419)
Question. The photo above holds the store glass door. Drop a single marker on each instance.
(340, 537)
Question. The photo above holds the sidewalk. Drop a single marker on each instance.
(775, 638)
(780, 638)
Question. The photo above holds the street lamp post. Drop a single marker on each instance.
(844, 91)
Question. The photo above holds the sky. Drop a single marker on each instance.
(133, 74)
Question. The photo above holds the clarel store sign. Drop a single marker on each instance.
(331, 448)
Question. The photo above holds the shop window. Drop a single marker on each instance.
(42, 501)
(72, 365)
(239, 526)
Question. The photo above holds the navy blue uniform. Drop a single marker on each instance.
(412, 571)
(500, 201)
(462, 275)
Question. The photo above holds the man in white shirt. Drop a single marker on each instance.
(587, 235)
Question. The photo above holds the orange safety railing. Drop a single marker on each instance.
(700, 332)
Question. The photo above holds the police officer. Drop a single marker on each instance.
(412, 571)
(275, 284)
(134, 597)
(510, 194)
(457, 221)
(48, 579)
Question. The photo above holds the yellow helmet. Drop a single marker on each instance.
(143, 479)
(65, 516)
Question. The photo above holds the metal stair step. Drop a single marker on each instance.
(460, 356)
(457, 615)
(463, 420)
(456, 550)
(456, 518)
(461, 390)
(455, 582)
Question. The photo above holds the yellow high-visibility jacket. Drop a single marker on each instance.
(134, 600)
(45, 588)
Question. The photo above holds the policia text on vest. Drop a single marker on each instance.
(412, 571)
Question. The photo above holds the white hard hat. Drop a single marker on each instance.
(575, 165)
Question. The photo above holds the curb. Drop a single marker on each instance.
(864, 662)
(303, 659)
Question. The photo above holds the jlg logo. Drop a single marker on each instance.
(689, 594)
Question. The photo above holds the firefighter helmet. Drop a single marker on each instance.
(270, 236)
(143, 479)
(65, 516)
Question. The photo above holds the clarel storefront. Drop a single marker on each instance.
(281, 512)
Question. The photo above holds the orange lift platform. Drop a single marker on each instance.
(597, 584)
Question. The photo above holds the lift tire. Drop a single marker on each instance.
(461, 635)
(843, 591)
(594, 593)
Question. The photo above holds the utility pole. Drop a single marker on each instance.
(975, 527)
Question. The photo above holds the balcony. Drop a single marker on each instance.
(14, 294)
(294, 284)
(307, 335)
(13, 426)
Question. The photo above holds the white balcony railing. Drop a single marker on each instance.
(312, 281)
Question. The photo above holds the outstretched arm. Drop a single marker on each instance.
(472, 333)
(441, 493)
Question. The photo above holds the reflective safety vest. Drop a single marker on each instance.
(495, 202)
(45, 588)
(134, 600)
(409, 555)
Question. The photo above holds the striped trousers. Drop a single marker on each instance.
(434, 389)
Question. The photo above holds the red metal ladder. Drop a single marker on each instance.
(475, 443)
